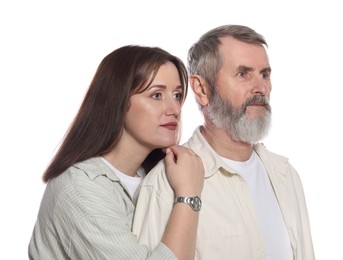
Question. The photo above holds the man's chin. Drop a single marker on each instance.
(258, 114)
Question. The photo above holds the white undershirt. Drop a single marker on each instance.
(131, 183)
(273, 227)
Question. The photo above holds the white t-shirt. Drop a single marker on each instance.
(272, 225)
(131, 183)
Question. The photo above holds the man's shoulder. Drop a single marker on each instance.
(263, 151)
(274, 162)
(155, 184)
(155, 175)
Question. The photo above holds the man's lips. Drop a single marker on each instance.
(170, 125)
(257, 104)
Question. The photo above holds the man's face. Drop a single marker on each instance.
(241, 104)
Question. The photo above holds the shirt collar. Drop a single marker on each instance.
(95, 167)
(213, 163)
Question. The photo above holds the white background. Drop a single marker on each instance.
(49, 51)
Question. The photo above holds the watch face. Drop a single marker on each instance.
(195, 203)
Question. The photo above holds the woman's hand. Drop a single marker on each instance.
(185, 171)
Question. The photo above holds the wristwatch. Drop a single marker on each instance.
(194, 202)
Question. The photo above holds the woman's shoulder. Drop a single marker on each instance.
(85, 188)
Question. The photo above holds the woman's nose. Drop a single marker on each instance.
(173, 107)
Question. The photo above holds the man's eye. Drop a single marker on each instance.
(265, 75)
(241, 73)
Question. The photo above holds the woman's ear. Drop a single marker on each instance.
(200, 89)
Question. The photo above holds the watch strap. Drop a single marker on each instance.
(194, 202)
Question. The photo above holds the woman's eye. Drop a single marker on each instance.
(156, 95)
(178, 96)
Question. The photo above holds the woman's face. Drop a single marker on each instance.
(153, 118)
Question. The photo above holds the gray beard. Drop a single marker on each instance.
(224, 115)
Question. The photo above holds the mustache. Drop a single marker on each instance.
(260, 100)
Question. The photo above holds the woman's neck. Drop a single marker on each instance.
(127, 157)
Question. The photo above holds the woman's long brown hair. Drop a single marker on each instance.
(99, 123)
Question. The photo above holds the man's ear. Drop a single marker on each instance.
(200, 89)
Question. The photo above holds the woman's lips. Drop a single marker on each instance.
(170, 126)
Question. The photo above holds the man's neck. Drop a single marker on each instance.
(221, 141)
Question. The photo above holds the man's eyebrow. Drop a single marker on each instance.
(246, 68)
(267, 69)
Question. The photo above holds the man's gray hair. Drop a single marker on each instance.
(204, 58)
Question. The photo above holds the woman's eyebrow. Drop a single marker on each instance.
(163, 86)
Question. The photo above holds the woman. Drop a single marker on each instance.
(130, 114)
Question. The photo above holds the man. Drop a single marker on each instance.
(253, 205)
